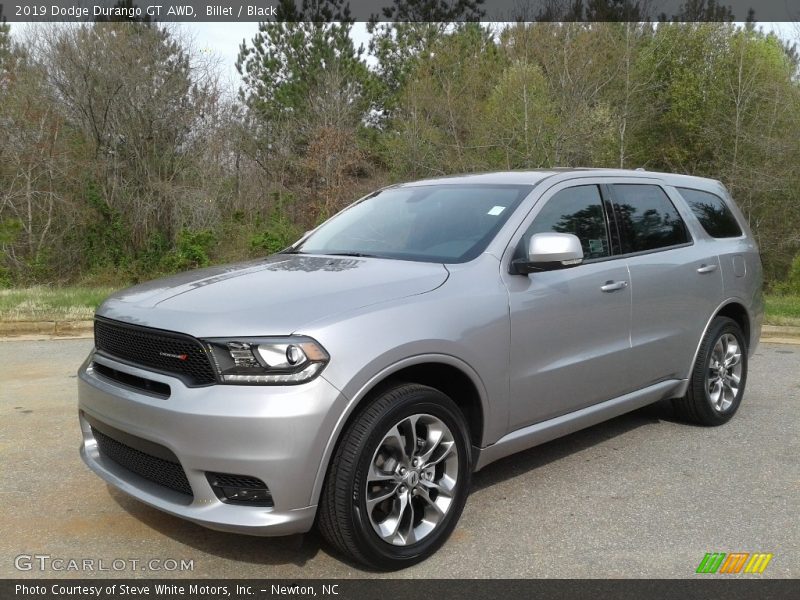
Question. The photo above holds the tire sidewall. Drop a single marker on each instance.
(380, 552)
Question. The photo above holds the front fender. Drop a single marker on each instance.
(368, 383)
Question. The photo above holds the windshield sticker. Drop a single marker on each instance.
(496, 210)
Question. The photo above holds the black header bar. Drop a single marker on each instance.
(732, 588)
(398, 10)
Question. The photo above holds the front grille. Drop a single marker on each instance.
(158, 470)
(166, 351)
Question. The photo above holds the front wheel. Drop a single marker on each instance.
(718, 378)
(398, 480)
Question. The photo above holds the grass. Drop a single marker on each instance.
(782, 310)
(43, 303)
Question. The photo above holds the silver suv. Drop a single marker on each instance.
(356, 379)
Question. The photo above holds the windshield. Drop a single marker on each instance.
(432, 223)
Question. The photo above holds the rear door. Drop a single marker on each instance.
(676, 280)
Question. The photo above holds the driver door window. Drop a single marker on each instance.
(579, 211)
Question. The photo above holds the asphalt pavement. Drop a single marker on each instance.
(639, 496)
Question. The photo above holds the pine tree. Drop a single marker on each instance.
(403, 33)
(287, 58)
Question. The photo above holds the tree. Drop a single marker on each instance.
(308, 92)
(725, 104)
(10, 53)
(288, 57)
(521, 119)
(686, 91)
(37, 175)
(142, 104)
(439, 125)
(403, 33)
(703, 10)
(580, 63)
(630, 11)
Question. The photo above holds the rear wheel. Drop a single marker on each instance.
(718, 378)
(399, 479)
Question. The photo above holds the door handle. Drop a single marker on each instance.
(613, 286)
(707, 268)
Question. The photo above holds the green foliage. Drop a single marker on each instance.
(133, 165)
(151, 259)
(191, 251)
(522, 118)
(687, 89)
(440, 124)
(704, 10)
(288, 57)
(133, 93)
(6, 278)
(40, 266)
(279, 233)
(10, 53)
(5, 44)
(790, 285)
(105, 235)
(782, 309)
(10, 229)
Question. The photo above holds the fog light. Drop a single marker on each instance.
(240, 489)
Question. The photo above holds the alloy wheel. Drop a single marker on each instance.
(724, 372)
(412, 479)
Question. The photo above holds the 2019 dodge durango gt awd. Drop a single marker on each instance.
(356, 379)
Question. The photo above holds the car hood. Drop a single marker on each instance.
(273, 296)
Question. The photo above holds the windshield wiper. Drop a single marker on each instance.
(356, 254)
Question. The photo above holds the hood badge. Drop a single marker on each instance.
(170, 355)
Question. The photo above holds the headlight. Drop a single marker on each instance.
(268, 361)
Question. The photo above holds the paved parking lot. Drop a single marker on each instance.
(639, 496)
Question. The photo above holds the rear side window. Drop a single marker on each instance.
(712, 212)
(646, 218)
(579, 211)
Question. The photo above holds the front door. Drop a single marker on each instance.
(570, 328)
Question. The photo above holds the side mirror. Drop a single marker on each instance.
(550, 251)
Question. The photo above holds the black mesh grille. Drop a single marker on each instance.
(158, 470)
(165, 351)
(239, 481)
(240, 489)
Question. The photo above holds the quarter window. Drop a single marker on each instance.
(712, 212)
(579, 211)
(646, 218)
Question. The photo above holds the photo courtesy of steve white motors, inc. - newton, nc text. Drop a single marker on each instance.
(430, 299)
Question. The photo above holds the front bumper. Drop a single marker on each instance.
(275, 433)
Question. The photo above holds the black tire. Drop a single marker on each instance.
(343, 519)
(697, 406)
